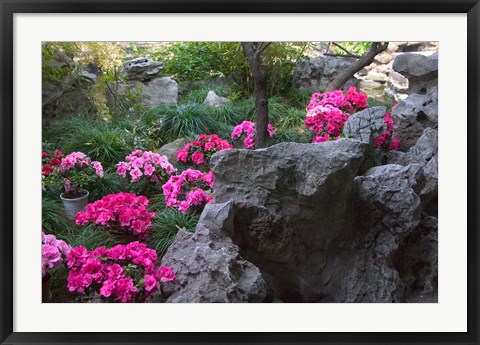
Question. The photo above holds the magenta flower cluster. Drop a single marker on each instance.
(200, 150)
(53, 252)
(192, 188)
(151, 166)
(123, 273)
(247, 128)
(386, 140)
(328, 112)
(121, 212)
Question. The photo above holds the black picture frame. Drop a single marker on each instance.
(9, 7)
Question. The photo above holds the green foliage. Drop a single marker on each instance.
(374, 102)
(111, 183)
(183, 120)
(293, 135)
(292, 118)
(299, 98)
(99, 140)
(89, 236)
(166, 226)
(357, 48)
(54, 220)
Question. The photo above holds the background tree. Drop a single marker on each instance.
(253, 52)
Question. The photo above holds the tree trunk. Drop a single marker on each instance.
(365, 60)
(253, 51)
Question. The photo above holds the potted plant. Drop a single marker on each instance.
(125, 273)
(76, 171)
(54, 252)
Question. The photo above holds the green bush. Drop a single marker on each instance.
(89, 236)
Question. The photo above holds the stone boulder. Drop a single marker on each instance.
(420, 70)
(208, 266)
(366, 125)
(413, 115)
(417, 262)
(170, 150)
(141, 68)
(158, 91)
(388, 208)
(213, 100)
(292, 204)
(297, 223)
(424, 153)
(318, 72)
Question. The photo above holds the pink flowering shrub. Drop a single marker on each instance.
(78, 172)
(247, 130)
(145, 166)
(328, 112)
(119, 213)
(50, 161)
(192, 188)
(199, 151)
(123, 273)
(54, 252)
(386, 141)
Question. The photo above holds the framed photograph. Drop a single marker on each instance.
(239, 172)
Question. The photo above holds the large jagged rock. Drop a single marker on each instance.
(388, 209)
(417, 262)
(141, 68)
(214, 100)
(292, 203)
(295, 223)
(318, 72)
(413, 115)
(366, 125)
(424, 153)
(208, 266)
(420, 71)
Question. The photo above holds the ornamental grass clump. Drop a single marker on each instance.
(121, 213)
(190, 189)
(246, 130)
(124, 273)
(328, 112)
(199, 151)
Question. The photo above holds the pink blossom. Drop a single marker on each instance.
(98, 168)
(197, 158)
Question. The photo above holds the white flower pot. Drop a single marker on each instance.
(73, 206)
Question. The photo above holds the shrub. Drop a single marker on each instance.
(190, 189)
(121, 213)
(199, 151)
(53, 216)
(123, 273)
